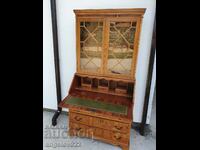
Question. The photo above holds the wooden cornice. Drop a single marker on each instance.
(111, 12)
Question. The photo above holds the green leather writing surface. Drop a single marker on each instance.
(98, 105)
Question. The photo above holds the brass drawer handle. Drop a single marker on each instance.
(77, 118)
(117, 137)
(78, 129)
(118, 128)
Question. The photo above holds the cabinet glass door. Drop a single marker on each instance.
(121, 47)
(91, 35)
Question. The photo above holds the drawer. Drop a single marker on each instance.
(121, 127)
(111, 125)
(89, 132)
(120, 137)
(86, 131)
(116, 137)
(107, 135)
(80, 130)
(98, 132)
(101, 123)
(78, 118)
(77, 129)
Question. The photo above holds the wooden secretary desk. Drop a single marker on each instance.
(101, 96)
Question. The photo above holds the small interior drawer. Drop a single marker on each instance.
(86, 82)
(121, 87)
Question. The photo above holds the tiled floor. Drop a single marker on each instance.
(56, 137)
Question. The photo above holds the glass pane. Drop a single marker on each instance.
(121, 43)
(91, 45)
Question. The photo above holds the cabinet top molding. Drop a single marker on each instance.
(108, 12)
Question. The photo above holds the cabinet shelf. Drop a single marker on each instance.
(111, 87)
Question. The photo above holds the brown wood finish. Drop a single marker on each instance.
(111, 12)
(109, 127)
(106, 16)
(101, 85)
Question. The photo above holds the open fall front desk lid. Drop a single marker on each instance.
(95, 104)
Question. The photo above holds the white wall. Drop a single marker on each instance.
(67, 43)
(152, 91)
(49, 85)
